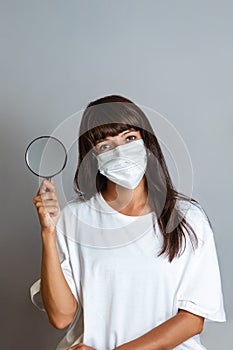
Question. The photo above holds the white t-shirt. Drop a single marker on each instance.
(123, 288)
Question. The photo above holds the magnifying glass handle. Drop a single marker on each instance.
(47, 189)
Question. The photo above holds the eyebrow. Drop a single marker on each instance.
(123, 133)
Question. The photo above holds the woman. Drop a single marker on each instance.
(131, 263)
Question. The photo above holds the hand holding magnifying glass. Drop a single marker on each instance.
(46, 157)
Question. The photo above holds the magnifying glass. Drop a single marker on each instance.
(46, 156)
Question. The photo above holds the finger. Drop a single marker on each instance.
(51, 210)
(45, 186)
(48, 211)
(48, 196)
(46, 201)
(38, 201)
(48, 206)
(43, 212)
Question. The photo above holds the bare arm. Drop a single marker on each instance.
(59, 302)
(169, 334)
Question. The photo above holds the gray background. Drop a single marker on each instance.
(172, 56)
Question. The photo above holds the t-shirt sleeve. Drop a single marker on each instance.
(63, 252)
(200, 290)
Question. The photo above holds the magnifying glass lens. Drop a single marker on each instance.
(46, 156)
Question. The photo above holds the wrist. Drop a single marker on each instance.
(48, 234)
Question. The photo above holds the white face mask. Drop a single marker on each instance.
(125, 165)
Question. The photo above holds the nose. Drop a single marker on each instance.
(115, 143)
(118, 142)
(118, 151)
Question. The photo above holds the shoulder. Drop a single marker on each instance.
(78, 209)
(73, 204)
(77, 205)
(70, 213)
(194, 213)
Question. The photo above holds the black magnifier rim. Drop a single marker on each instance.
(45, 137)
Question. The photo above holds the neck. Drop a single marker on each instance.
(126, 200)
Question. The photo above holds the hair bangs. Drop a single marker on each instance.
(102, 131)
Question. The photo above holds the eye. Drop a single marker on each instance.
(131, 138)
(103, 147)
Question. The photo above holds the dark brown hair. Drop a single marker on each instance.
(108, 116)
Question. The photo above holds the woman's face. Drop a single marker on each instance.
(110, 142)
